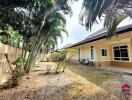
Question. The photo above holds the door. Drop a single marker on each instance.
(92, 53)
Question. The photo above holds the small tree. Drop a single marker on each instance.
(69, 53)
(16, 73)
(62, 59)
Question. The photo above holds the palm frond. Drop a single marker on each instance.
(111, 9)
(111, 24)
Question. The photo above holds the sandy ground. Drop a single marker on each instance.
(63, 86)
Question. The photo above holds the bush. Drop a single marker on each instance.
(59, 56)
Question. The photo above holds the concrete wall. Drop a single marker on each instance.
(13, 54)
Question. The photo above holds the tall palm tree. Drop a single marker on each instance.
(52, 29)
(38, 21)
(114, 11)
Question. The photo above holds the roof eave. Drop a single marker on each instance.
(118, 33)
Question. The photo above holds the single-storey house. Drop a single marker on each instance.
(116, 51)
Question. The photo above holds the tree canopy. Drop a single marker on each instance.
(34, 26)
(113, 11)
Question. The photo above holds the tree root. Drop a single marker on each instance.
(10, 83)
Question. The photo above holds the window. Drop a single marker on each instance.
(121, 53)
(92, 53)
(104, 52)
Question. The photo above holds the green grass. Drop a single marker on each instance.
(93, 74)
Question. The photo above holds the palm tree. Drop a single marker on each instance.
(37, 21)
(40, 22)
(52, 30)
(114, 11)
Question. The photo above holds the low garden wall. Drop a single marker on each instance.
(13, 54)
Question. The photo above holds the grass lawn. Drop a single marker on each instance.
(93, 74)
(78, 83)
(106, 79)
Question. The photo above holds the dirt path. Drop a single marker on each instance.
(64, 86)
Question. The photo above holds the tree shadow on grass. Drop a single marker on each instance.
(49, 73)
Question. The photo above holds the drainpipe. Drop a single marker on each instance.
(99, 60)
(130, 49)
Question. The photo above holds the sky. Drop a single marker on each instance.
(77, 32)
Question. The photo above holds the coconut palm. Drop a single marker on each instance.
(114, 11)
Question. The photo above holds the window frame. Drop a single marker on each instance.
(104, 54)
(120, 58)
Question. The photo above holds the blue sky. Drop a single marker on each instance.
(78, 32)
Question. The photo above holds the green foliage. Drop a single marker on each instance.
(16, 73)
(20, 62)
(15, 37)
(16, 3)
(113, 11)
(63, 52)
(56, 56)
(11, 37)
(19, 71)
(40, 23)
(61, 59)
(4, 39)
(65, 62)
(36, 24)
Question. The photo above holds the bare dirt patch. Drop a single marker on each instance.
(63, 86)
